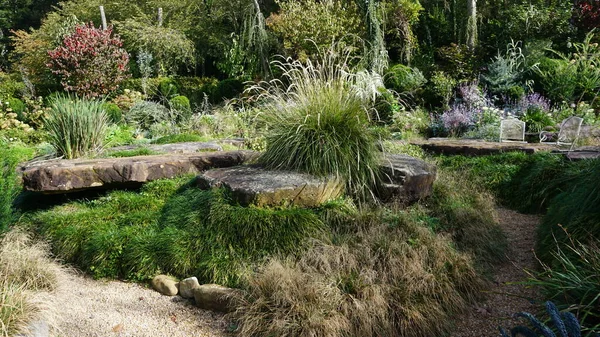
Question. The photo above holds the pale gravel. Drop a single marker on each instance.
(504, 298)
(92, 308)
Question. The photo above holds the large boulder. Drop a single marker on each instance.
(216, 298)
(405, 177)
(61, 176)
(165, 285)
(261, 187)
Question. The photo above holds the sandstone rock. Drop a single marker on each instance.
(261, 187)
(177, 148)
(187, 286)
(165, 285)
(216, 298)
(60, 176)
(406, 178)
(476, 147)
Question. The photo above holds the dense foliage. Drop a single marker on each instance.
(89, 62)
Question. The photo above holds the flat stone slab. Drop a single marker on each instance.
(177, 148)
(469, 147)
(62, 176)
(406, 178)
(261, 187)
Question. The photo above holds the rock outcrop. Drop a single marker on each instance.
(251, 185)
(61, 176)
(406, 178)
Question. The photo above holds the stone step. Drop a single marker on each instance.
(62, 176)
(258, 186)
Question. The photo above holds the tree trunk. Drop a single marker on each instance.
(471, 23)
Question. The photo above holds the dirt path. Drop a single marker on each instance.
(92, 308)
(505, 299)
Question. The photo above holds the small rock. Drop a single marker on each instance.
(215, 297)
(187, 286)
(165, 285)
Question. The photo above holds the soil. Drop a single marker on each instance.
(505, 296)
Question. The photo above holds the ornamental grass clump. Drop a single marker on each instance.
(319, 124)
(76, 126)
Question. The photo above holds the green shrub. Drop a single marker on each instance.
(196, 88)
(114, 113)
(76, 127)
(167, 87)
(145, 113)
(537, 119)
(404, 79)
(182, 105)
(119, 135)
(180, 138)
(17, 106)
(442, 86)
(305, 126)
(10, 85)
(227, 89)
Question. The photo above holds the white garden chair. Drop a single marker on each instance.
(512, 130)
(567, 134)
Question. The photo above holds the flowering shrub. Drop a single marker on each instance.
(458, 119)
(90, 62)
(533, 101)
(8, 119)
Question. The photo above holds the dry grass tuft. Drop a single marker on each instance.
(391, 277)
(27, 276)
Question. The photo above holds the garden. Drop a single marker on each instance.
(271, 162)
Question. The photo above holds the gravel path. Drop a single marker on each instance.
(505, 299)
(93, 308)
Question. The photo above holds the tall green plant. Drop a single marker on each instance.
(76, 126)
(319, 124)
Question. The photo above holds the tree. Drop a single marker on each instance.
(471, 23)
(90, 61)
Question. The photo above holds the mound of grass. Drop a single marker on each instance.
(172, 227)
(180, 138)
(576, 209)
(319, 125)
(142, 151)
(10, 156)
(467, 212)
(387, 276)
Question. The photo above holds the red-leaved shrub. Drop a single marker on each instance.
(586, 14)
(90, 62)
